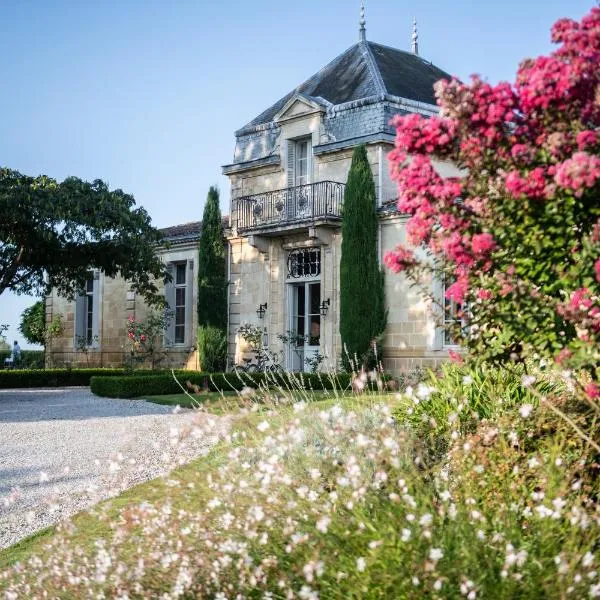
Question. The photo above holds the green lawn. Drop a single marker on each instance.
(91, 525)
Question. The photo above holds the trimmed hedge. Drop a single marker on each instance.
(22, 378)
(136, 386)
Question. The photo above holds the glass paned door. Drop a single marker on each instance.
(305, 323)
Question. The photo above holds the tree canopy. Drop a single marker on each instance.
(52, 234)
(362, 301)
(212, 279)
(33, 323)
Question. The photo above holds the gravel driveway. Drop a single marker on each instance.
(62, 450)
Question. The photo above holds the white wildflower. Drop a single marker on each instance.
(525, 410)
(435, 554)
(361, 564)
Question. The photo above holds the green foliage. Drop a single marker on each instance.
(33, 323)
(510, 513)
(212, 279)
(135, 386)
(212, 349)
(52, 234)
(21, 378)
(145, 338)
(362, 302)
(459, 397)
(30, 359)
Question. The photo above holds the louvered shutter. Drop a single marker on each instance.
(189, 302)
(291, 163)
(170, 298)
(290, 203)
(79, 318)
(96, 311)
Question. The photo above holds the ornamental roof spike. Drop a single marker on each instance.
(363, 22)
(415, 37)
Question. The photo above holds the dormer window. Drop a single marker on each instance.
(299, 162)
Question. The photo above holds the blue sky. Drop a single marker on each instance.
(146, 94)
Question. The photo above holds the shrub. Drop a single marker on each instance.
(136, 386)
(23, 378)
(363, 315)
(331, 504)
(517, 236)
(212, 349)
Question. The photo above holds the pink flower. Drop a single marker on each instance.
(399, 259)
(586, 138)
(592, 390)
(484, 294)
(563, 355)
(482, 243)
(597, 270)
(455, 357)
(580, 171)
(458, 290)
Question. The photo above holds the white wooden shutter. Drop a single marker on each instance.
(96, 311)
(170, 298)
(189, 302)
(291, 163)
(79, 318)
(437, 291)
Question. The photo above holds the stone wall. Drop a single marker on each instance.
(117, 304)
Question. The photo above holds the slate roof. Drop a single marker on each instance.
(186, 231)
(364, 70)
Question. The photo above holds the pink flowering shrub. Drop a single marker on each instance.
(519, 233)
(145, 338)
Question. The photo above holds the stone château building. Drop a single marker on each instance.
(283, 239)
(287, 185)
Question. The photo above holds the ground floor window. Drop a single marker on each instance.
(452, 316)
(87, 311)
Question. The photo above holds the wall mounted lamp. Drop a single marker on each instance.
(325, 306)
(261, 310)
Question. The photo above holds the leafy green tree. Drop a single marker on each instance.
(363, 315)
(212, 280)
(33, 323)
(52, 234)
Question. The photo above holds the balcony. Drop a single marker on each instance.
(289, 208)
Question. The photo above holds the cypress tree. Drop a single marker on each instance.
(363, 315)
(212, 279)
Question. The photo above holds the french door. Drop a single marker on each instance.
(304, 321)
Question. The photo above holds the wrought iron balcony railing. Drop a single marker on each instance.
(303, 203)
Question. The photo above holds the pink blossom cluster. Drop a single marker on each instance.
(530, 148)
(582, 309)
(579, 172)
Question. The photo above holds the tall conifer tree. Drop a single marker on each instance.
(212, 279)
(362, 302)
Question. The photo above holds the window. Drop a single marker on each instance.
(451, 317)
(178, 294)
(305, 262)
(87, 312)
(302, 158)
(180, 304)
(299, 162)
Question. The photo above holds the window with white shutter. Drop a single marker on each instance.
(87, 313)
(178, 294)
(299, 162)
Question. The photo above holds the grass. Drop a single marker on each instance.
(94, 524)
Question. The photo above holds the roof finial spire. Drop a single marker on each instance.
(415, 37)
(362, 22)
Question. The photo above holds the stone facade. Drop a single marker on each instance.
(350, 101)
(114, 304)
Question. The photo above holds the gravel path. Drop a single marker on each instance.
(62, 450)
